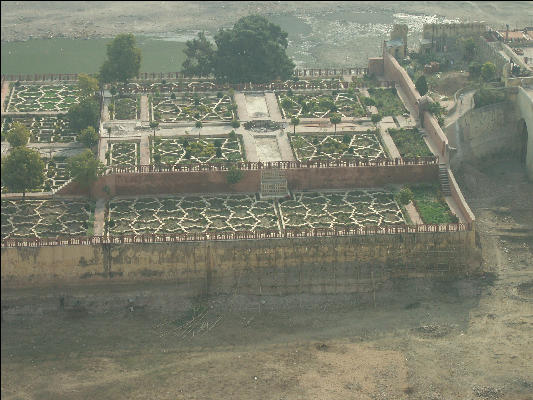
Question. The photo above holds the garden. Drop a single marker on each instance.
(349, 146)
(189, 150)
(35, 98)
(194, 107)
(410, 143)
(126, 108)
(44, 129)
(123, 153)
(320, 105)
(386, 100)
(342, 209)
(431, 205)
(47, 218)
(191, 214)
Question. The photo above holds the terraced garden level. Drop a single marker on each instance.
(44, 129)
(194, 107)
(191, 214)
(431, 204)
(386, 100)
(343, 209)
(35, 97)
(410, 143)
(46, 218)
(186, 150)
(349, 146)
(320, 105)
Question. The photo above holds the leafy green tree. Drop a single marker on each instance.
(18, 135)
(335, 119)
(235, 123)
(404, 196)
(200, 53)
(22, 169)
(474, 69)
(199, 125)
(469, 48)
(421, 85)
(154, 125)
(253, 51)
(234, 175)
(488, 71)
(375, 118)
(88, 136)
(85, 168)
(123, 59)
(84, 114)
(87, 84)
(295, 121)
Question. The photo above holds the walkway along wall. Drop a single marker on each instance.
(273, 266)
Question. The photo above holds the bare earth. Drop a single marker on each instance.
(468, 339)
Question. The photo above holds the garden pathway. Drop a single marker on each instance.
(465, 102)
(5, 92)
(145, 112)
(145, 150)
(273, 108)
(267, 148)
(285, 147)
(242, 111)
(413, 214)
(249, 145)
(387, 140)
(99, 217)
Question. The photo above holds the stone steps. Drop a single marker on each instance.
(443, 179)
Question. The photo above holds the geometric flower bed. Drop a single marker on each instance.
(343, 209)
(386, 100)
(59, 97)
(360, 145)
(46, 218)
(187, 150)
(126, 108)
(188, 214)
(320, 105)
(44, 129)
(123, 153)
(55, 175)
(194, 107)
(409, 142)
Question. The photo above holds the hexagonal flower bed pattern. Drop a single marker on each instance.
(349, 146)
(187, 150)
(189, 214)
(194, 107)
(343, 209)
(31, 97)
(44, 129)
(55, 175)
(123, 153)
(320, 105)
(126, 108)
(46, 218)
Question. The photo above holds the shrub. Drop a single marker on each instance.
(235, 124)
(18, 135)
(234, 175)
(346, 138)
(233, 135)
(404, 196)
(218, 152)
(173, 96)
(220, 95)
(88, 136)
(375, 118)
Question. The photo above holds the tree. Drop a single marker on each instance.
(85, 168)
(88, 136)
(154, 125)
(84, 114)
(488, 71)
(474, 69)
(22, 169)
(235, 123)
(295, 121)
(199, 125)
(253, 51)
(234, 175)
(200, 53)
(123, 59)
(335, 119)
(421, 85)
(87, 84)
(469, 49)
(18, 135)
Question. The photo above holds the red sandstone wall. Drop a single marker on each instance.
(435, 132)
(393, 71)
(215, 181)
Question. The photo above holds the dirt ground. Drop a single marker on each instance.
(467, 339)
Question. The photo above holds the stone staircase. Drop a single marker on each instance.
(443, 179)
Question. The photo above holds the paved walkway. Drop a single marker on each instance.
(145, 150)
(99, 217)
(249, 145)
(273, 109)
(5, 93)
(145, 112)
(387, 139)
(242, 111)
(464, 104)
(413, 214)
(285, 147)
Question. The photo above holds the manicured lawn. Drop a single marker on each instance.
(410, 143)
(431, 204)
